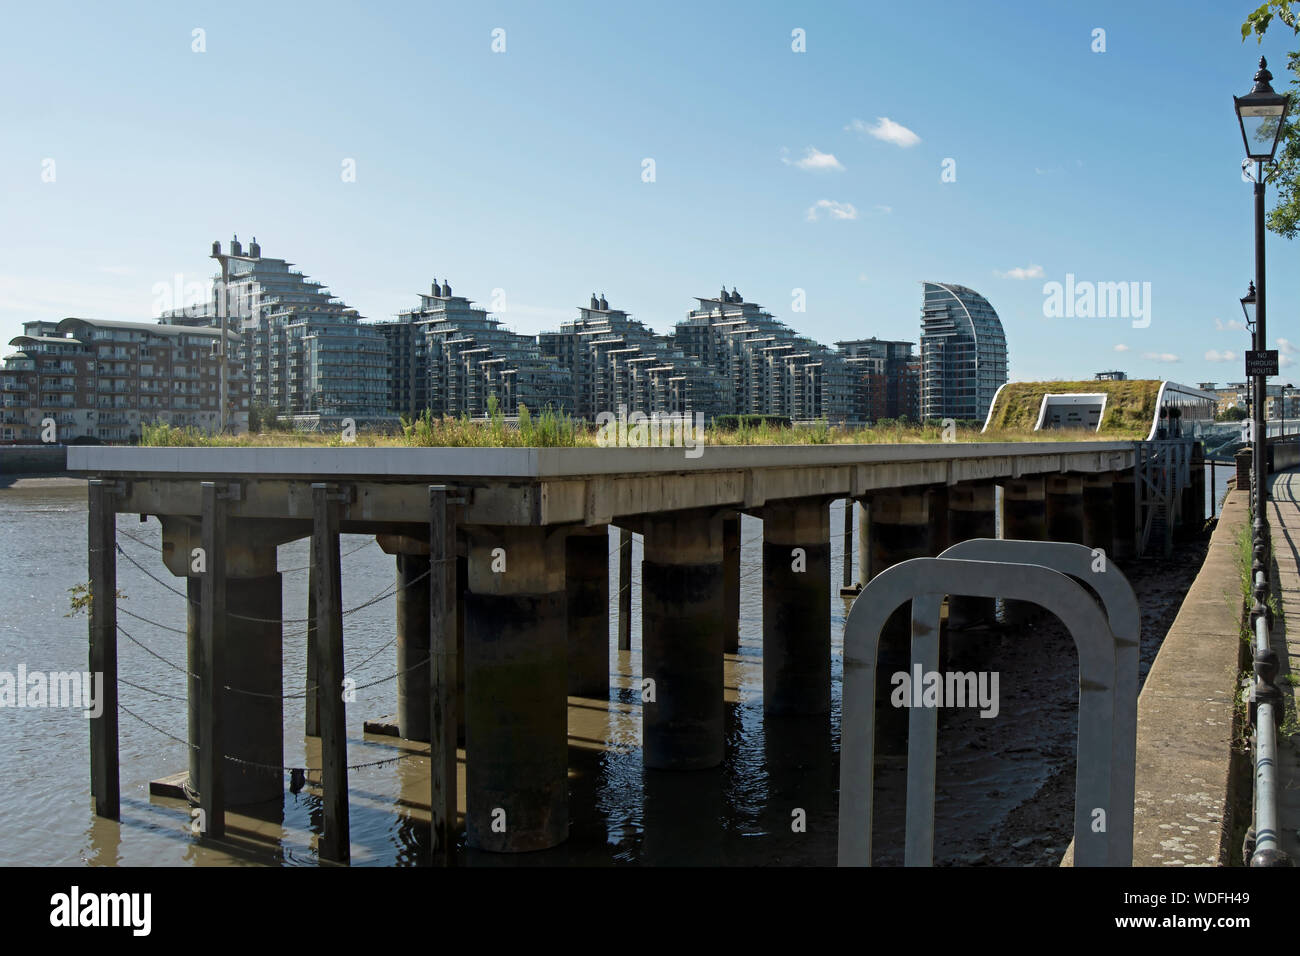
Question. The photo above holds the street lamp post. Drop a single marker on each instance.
(223, 317)
(1260, 114)
(1248, 309)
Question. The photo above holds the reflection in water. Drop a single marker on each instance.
(776, 772)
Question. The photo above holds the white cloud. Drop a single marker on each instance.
(1284, 360)
(1160, 356)
(837, 210)
(1215, 356)
(887, 130)
(885, 209)
(1121, 347)
(1232, 325)
(814, 160)
(1021, 272)
(1286, 347)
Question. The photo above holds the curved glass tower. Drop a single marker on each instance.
(963, 352)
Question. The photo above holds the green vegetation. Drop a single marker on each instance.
(1130, 406)
(1284, 218)
(552, 429)
(80, 599)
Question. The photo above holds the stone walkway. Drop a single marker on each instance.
(1284, 523)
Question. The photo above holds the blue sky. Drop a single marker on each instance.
(522, 170)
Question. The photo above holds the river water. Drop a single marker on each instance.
(990, 771)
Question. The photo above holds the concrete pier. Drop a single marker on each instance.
(1099, 512)
(251, 708)
(1064, 508)
(972, 513)
(586, 562)
(683, 611)
(731, 584)
(796, 607)
(900, 529)
(1125, 530)
(516, 689)
(1024, 518)
(413, 646)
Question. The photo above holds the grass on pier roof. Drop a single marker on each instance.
(1130, 405)
(559, 431)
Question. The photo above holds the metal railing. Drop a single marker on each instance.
(1043, 573)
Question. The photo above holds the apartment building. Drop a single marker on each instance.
(963, 352)
(310, 357)
(884, 379)
(450, 356)
(95, 379)
(615, 361)
(767, 368)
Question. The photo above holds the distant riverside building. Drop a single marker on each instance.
(310, 358)
(616, 361)
(766, 367)
(884, 377)
(104, 380)
(449, 356)
(963, 353)
(1111, 377)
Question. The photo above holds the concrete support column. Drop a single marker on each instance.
(586, 564)
(971, 514)
(252, 708)
(1024, 510)
(1064, 506)
(796, 607)
(413, 669)
(1124, 518)
(683, 610)
(1193, 510)
(731, 584)
(1024, 518)
(516, 689)
(863, 512)
(938, 519)
(1099, 512)
(900, 528)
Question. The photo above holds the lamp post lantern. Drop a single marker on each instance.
(1260, 114)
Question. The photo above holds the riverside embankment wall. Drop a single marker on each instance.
(33, 459)
(1191, 807)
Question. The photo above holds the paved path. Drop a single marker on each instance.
(1284, 522)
